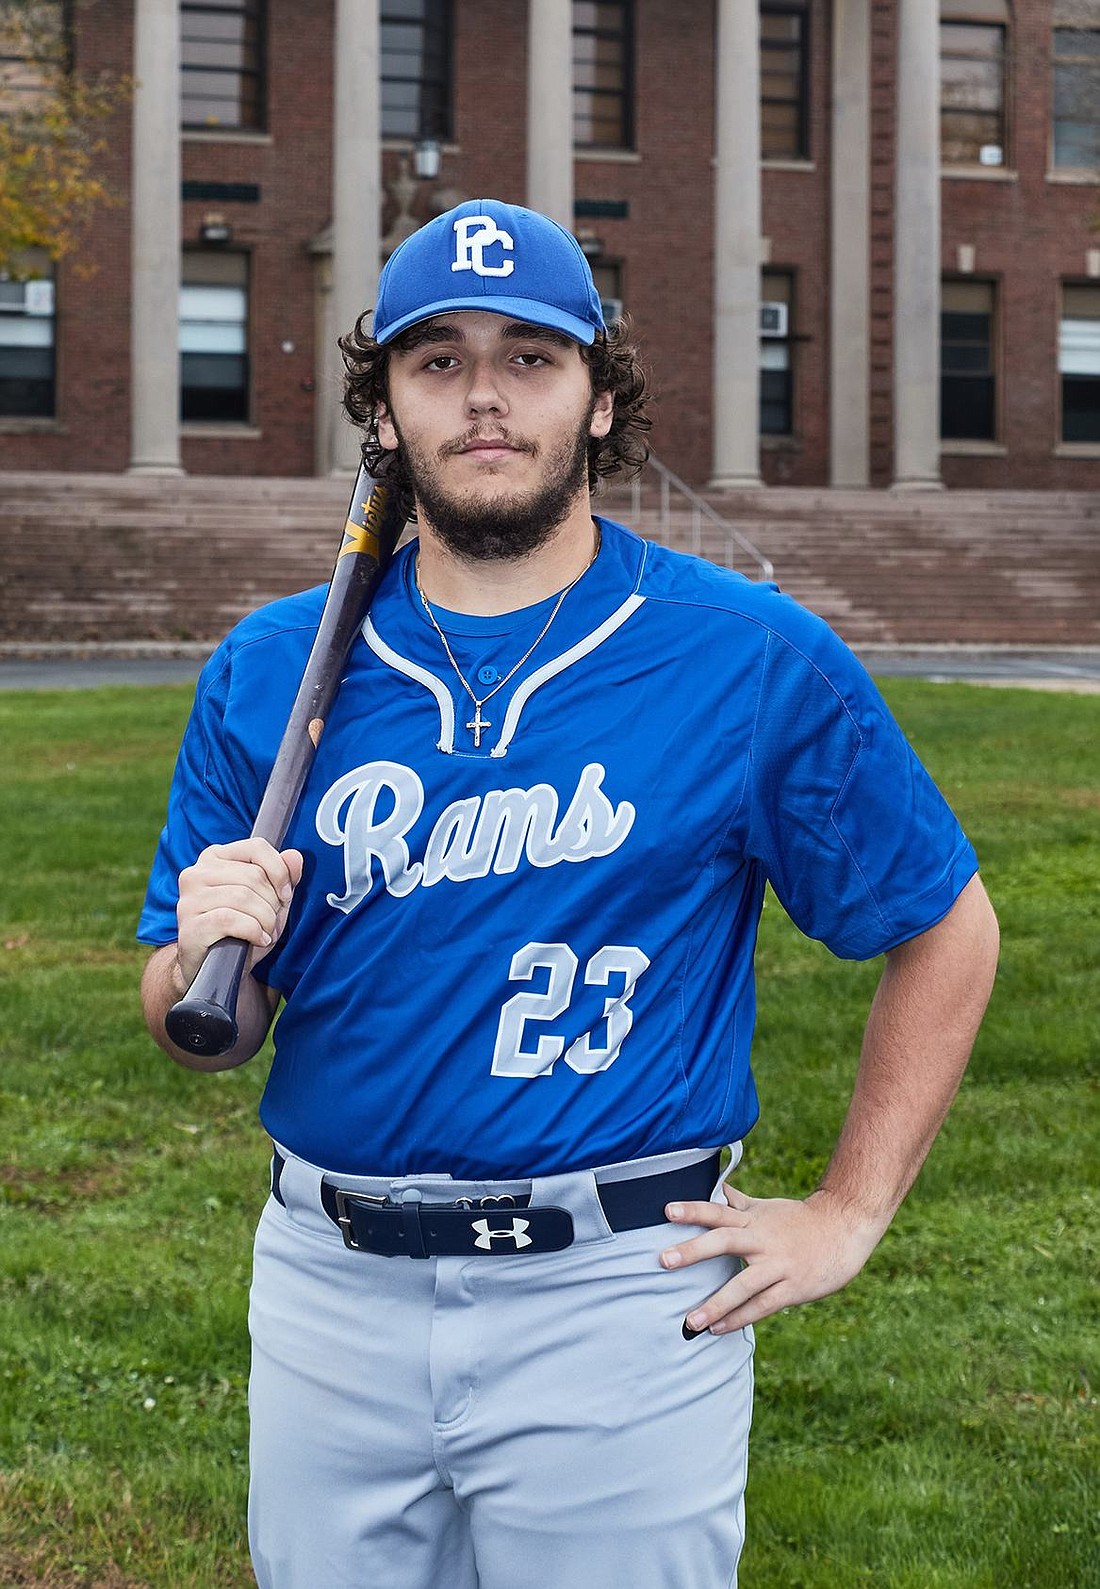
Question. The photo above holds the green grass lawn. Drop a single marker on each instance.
(934, 1425)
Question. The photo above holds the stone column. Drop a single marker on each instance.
(917, 250)
(356, 201)
(155, 241)
(850, 264)
(550, 109)
(737, 248)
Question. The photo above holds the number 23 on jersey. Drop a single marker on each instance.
(518, 1052)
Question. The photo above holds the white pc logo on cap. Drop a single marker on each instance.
(473, 235)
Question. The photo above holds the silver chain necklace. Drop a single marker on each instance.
(479, 724)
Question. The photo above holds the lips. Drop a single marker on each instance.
(488, 448)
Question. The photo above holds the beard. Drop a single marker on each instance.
(483, 528)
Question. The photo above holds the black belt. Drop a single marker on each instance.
(487, 1226)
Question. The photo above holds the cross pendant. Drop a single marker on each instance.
(479, 723)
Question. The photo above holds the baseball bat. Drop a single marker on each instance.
(205, 1019)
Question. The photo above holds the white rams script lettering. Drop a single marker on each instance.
(371, 809)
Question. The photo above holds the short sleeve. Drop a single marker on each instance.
(209, 803)
(854, 836)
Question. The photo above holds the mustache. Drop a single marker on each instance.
(503, 439)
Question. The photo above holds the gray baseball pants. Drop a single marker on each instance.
(486, 1423)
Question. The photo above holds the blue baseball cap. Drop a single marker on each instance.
(492, 256)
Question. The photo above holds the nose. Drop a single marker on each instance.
(484, 395)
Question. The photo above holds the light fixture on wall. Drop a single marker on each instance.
(427, 157)
(215, 229)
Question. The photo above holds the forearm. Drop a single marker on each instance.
(162, 984)
(922, 1025)
(919, 1034)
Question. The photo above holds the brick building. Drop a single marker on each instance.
(859, 239)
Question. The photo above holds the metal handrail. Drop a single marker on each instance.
(700, 510)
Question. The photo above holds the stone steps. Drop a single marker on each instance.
(110, 559)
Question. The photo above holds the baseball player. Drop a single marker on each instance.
(503, 1301)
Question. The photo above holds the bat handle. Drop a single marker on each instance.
(204, 1020)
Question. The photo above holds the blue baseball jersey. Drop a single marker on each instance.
(535, 953)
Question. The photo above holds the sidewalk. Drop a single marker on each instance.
(1075, 668)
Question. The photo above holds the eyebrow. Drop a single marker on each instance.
(430, 331)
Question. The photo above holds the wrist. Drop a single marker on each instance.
(864, 1224)
(178, 982)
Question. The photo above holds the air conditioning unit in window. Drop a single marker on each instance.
(26, 297)
(773, 319)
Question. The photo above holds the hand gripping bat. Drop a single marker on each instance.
(205, 1019)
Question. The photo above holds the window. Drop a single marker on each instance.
(1076, 98)
(35, 52)
(27, 339)
(776, 375)
(416, 69)
(972, 93)
(607, 276)
(214, 337)
(784, 83)
(603, 75)
(1079, 363)
(968, 387)
(222, 54)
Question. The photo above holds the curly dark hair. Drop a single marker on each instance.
(614, 367)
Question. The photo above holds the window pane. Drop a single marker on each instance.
(27, 339)
(968, 394)
(783, 117)
(34, 52)
(967, 408)
(20, 331)
(213, 338)
(416, 69)
(1076, 144)
(602, 48)
(1076, 42)
(1080, 408)
(220, 56)
(1078, 347)
(775, 403)
(1076, 96)
(775, 26)
(971, 91)
(409, 9)
(213, 388)
(776, 373)
(1082, 303)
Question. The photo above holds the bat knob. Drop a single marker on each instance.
(201, 1026)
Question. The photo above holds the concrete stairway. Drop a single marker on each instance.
(1016, 568)
(109, 559)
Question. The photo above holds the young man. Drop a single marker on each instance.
(502, 1304)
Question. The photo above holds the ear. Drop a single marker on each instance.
(387, 435)
(602, 414)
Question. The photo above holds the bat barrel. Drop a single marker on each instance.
(204, 1020)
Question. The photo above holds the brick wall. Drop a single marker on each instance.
(1027, 231)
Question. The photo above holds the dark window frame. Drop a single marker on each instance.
(65, 61)
(1006, 78)
(799, 9)
(46, 406)
(435, 120)
(253, 8)
(991, 377)
(1056, 60)
(787, 397)
(1091, 285)
(625, 93)
(244, 418)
